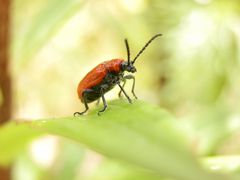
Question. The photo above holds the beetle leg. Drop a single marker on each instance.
(120, 92)
(85, 103)
(81, 113)
(129, 100)
(104, 105)
(133, 86)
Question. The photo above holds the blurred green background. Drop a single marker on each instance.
(192, 71)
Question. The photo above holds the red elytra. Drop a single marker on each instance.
(97, 74)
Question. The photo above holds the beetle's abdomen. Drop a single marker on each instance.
(94, 77)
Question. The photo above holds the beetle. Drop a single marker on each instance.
(106, 76)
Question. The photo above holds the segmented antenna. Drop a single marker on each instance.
(144, 47)
(128, 51)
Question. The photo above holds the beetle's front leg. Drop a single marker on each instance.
(133, 86)
(124, 82)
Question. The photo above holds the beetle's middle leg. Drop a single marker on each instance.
(129, 100)
(120, 92)
(104, 104)
(98, 101)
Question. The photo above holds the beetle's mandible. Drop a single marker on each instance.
(105, 76)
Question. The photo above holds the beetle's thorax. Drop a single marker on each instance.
(113, 66)
(129, 67)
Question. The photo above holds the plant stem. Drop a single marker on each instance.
(5, 80)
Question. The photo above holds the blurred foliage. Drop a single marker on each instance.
(223, 163)
(192, 70)
(11, 143)
(67, 163)
(53, 15)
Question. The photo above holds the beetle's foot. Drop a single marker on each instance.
(78, 113)
(101, 111)
(120, 94)
(129, 100)
(134, 95)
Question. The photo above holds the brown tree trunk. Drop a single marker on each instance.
(5, 81)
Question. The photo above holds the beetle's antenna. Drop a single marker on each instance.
(128, 51)
(144, 47)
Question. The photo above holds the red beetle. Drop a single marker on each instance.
(105, 76)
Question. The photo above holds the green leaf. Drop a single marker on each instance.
(138, 133)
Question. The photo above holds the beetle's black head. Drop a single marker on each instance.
(128, 65)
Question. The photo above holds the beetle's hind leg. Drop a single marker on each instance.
(104, 105)
(81, 113)
(85, 103)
